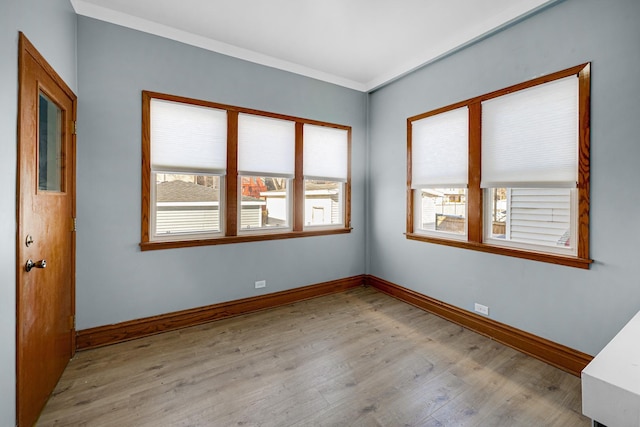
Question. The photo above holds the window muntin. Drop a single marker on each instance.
(554, 111)
(187, 140)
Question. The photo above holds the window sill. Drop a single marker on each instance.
(569, 261)
(172, 244)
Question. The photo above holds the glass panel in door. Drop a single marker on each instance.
(50, 154)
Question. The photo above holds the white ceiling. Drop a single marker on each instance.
(359, 44)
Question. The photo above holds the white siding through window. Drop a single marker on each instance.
(251, 217)
(171, 220)
(428, 210)
(323, 210)
(540, 215)
(336, 210)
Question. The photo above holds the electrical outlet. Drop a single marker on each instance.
(261, 284)
(482, 309)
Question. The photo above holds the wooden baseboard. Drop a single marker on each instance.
(125, 331)
(555, 354)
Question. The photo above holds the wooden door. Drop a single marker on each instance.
(45, 235)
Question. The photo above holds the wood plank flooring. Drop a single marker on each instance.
(357, 358)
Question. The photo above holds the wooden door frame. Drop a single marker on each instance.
(27, 49)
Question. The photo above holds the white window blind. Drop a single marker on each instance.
(188, 138)
(530, 137)
(266, 146)
(440, 150)
(326, 153)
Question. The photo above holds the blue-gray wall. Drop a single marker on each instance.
(51, 27)
(115, 280)
(582, 309)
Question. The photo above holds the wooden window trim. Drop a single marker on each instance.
(230, 207)
(474, 192)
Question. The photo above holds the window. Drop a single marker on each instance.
(506, 172)
(188, 162)
(215, 174)
(266, 155)
(325, 172)
(440, 178)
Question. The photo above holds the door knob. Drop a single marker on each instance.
(38, 264)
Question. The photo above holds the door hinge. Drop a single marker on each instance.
(74, 127)
(72, 322)
(75, 225)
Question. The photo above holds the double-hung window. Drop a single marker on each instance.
(506, 172)
(326, 171)
(530, 167)
(266, 158)
(439, 164)
(213, 173)
(188, 166)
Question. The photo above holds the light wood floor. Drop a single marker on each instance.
(359, 358)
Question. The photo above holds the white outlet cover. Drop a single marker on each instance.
(483, 309)
(261, 284)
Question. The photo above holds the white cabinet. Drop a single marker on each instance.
(611, 382)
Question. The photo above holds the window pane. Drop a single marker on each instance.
(442, 209)
(531, 136)
(326, 153)
(535, 216)
(188, 138)
(323, 203)
(440, 150)
(266, 146)
(49, 146)
(187, 203)
(264, 202)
